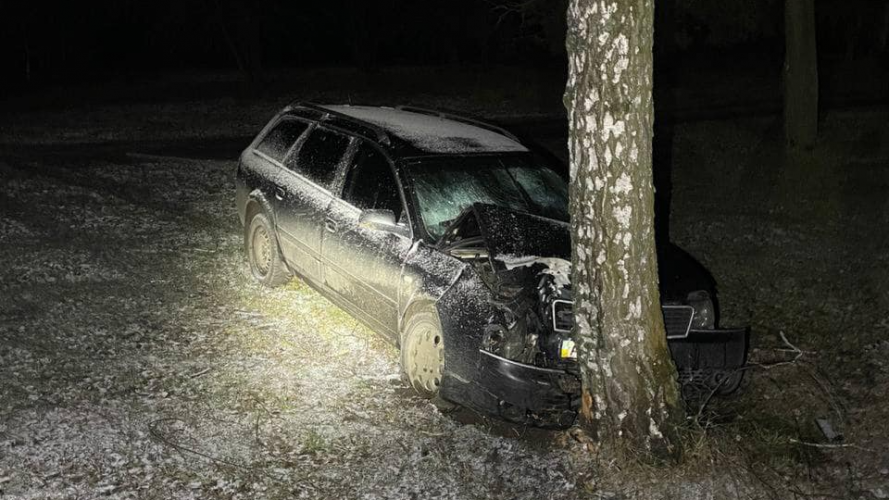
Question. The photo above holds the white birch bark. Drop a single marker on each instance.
(630, 396)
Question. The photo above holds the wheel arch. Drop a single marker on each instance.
(258, 203)
(417, 304)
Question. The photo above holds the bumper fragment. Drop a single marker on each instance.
(719, 349)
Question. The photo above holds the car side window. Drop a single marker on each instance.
(281, 138)
(371, 184)
(319, 156)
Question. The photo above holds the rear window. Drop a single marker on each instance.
(320, 155)
(281, 138)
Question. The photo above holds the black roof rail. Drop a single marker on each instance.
(379, 134)
(458, 118)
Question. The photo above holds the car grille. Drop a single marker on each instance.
(563, 315)
(677, 319)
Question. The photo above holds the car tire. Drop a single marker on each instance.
(422, 353)
(730, 383)
(263, 254)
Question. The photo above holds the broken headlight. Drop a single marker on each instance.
(705, 313)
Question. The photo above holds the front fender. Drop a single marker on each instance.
(464, 310)
(426, 275)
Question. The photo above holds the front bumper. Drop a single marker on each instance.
(549, 397)
(527, 386)
(519, 392)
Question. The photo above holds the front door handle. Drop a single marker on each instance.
(279, 193)
(331, 225)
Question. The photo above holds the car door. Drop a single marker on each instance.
(303, 198)
(363, 265)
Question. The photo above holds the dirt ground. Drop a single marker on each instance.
(138, 360)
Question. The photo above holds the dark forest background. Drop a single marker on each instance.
(43, 41)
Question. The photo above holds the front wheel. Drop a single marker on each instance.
(266, 264)
(422, 353)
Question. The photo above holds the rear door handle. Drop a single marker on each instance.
(331, 225)
(279, 193)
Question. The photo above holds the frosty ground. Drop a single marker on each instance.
(139, 360)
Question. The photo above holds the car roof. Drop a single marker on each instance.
(432, 132)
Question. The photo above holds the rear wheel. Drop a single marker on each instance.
(422, 353)
(266, 264)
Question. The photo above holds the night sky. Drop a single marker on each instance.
(63, 41)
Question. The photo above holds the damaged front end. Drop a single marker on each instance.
(528, 357)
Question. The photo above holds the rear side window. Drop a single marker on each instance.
(370, 183)
(281, 138)
(319, 156)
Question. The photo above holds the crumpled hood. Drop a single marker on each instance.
(510, 235)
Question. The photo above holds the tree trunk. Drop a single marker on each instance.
(230, 41)
(27, 60)
(883, 38)
(630, 393)
(800, 74)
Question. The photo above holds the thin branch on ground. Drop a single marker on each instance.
(713, 393)
(834, 401)
(158, 436)
(790, 348)
(200, 373)
(831, 445)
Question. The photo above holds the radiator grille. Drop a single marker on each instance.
(563, 315)
(677, 320)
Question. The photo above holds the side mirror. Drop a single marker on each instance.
(382, 220)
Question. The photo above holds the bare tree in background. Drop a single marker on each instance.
(631, 396)
(800, 74)
(883, 37)
(540, 20)
(240, 27)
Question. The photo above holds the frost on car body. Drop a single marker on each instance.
(450, 238)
